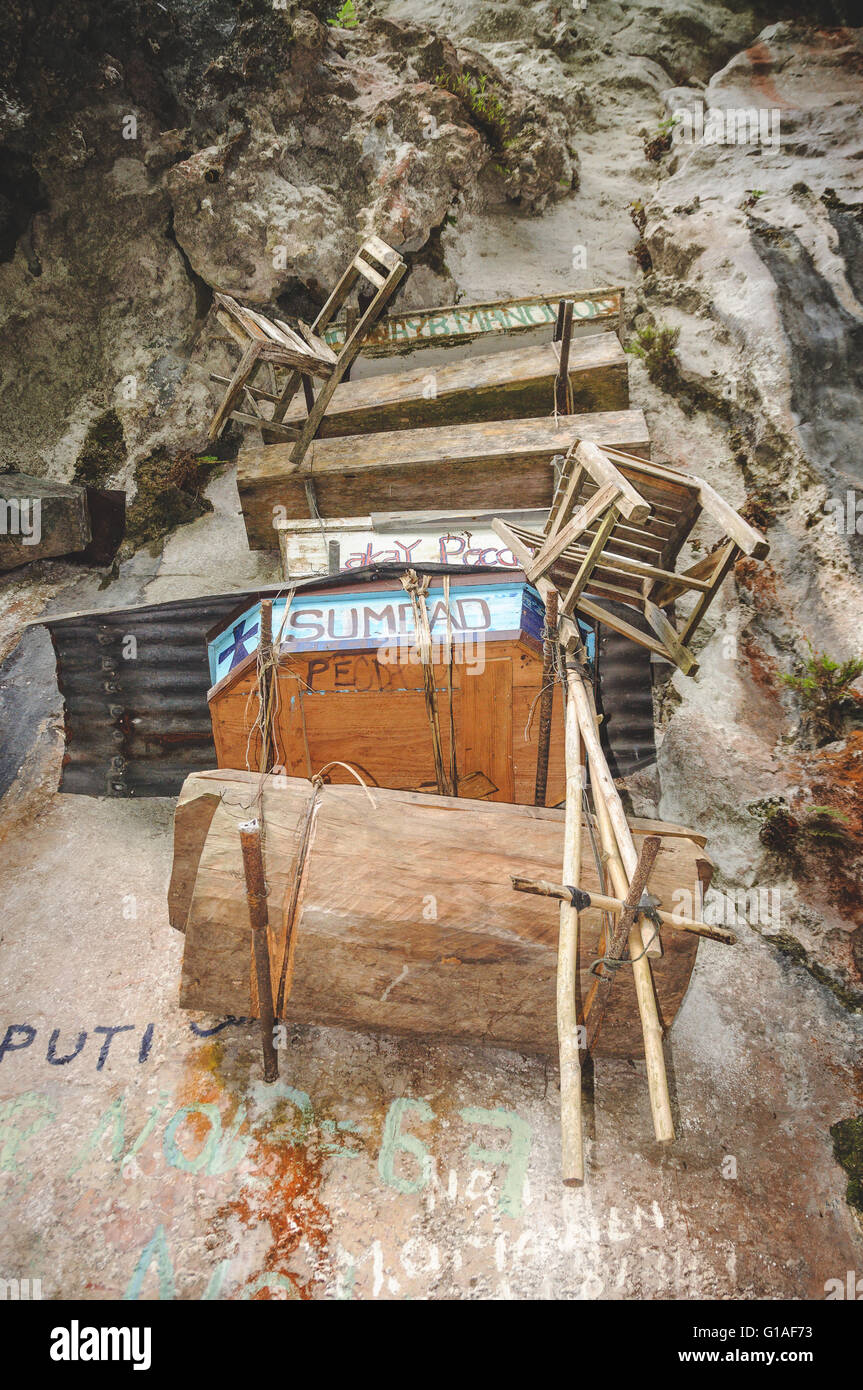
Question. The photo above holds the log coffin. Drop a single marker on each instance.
(407, 922)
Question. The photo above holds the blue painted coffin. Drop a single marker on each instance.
(360, 618)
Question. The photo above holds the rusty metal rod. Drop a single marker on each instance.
(256, 895)
(265, 691)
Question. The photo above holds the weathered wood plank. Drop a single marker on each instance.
(499, 386)
(463, 466)
(367, 956)
(452, 324)
(446, 538)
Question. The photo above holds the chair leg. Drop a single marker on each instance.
(590, 561)
(247, 365)
(726, 557)
(291, 388)
(667, 634)
(346, 357)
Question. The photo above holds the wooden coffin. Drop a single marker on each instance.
(451, 467)
(453, 324)
(407, 922)
(497, 386)
(350, 686)
(314, 546)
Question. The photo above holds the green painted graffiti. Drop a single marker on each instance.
(515, 1157)
(395, 1141)
(114, 1119)
(14, 1134)
(218, 1153)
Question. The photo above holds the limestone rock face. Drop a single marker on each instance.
(761, 230)
(98, 309)
(151, 154)
(247, 151)
(755, 242)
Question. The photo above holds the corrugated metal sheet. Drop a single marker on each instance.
(625, 698)
(134, 683)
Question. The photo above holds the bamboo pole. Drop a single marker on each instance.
(596, 1002)
(256, 895)
(546, 700)
(622, 861)
(543, 889)
(572, 1150)
(600, 775)
(609, 807)
(417, 589)
(453, 761)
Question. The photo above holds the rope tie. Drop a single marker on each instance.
(647, 907)
(611, 963)
(417, 589)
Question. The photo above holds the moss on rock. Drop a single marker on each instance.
(847, 1136)
(170, 493)
(103, 452)
(849, 998)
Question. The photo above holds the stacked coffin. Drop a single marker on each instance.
(413, 825)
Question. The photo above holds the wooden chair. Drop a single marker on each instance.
(302, 352)
(615, 529)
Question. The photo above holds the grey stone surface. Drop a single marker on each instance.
(169, 1170)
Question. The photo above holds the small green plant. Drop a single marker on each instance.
(824, 687)
(483, 100)
(826, 826)
(346, 17)
(638, 214)
(655, 146)
(780, 830)
(847, 1136)
(759, 511)
(657, 348)
(752, 196)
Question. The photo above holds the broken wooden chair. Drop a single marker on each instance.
(615, 529)
(302, 352)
